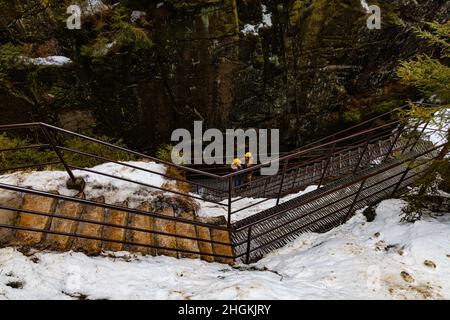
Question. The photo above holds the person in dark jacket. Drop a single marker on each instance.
(237, 166)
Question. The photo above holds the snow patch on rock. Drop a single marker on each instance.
(46, 61)
(365, 5)
(266, 22)
(113, 190)
(92, 7)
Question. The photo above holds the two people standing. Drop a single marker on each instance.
(238, 165)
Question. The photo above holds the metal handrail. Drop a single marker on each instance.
(52, 144)
(106, 206)
(339, 187)
(328, 151)
(330, 203)
(302, 152)
(211, 189)
(290, 155)
(139, 154)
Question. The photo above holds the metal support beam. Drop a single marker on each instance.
(282, 181)
(230, 191)
(392, 146)
(366, 146)
(350, 210)
(402, 178)
(51, 141)
(249, 241)
(330, 157)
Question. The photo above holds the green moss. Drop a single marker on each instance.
(164, 152)
(12, 159)
(225, 15)
(235, 16)
(393, 18)
(96, 50)
(8, 54)
(386, 106)
(8, 62)
(205, 21)
(259, 52)
(179, 4)
(312, 23)
(96, 149)
(294, 12)
(352, 116)
(117, 33)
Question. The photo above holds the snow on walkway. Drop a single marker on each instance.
(384, 259)
(208, 209)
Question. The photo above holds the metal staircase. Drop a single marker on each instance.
(352, 169)
(325, 208)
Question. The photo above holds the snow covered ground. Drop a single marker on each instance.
(117, 191)
(113, 190)
(383, 259)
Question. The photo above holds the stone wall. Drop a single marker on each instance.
(315, 69)
(51, 224)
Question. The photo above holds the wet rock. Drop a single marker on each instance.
(370, 213)
(316, 68)
(407, 277)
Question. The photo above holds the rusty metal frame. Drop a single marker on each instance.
(350, 207)
(321, 152)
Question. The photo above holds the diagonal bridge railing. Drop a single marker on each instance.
(351, 169)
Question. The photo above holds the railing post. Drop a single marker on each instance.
(392, 146)
(328, 163)
(354, 200)
(249, 240)
(282, 181)
(52, 143)
(419, 136)
(409, 138)
(230, 191)
(294, 181)
(402, 178)
(265, 185)
(366, 146)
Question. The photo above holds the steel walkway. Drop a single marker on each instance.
(323, 209)
(353, 168)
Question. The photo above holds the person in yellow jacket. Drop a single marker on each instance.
(248, 163)
(237, 166)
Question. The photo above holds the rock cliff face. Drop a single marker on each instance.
(140, 69)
